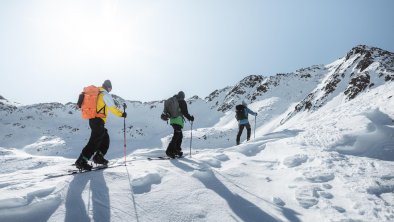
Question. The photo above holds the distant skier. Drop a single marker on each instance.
(95, 103)
(242, 112)
(175, 109)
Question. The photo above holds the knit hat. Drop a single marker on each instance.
(107, 84)
(244, 103)
(181, 95)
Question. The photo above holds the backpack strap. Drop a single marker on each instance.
(103, 106)
(102, 109)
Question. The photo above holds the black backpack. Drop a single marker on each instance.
(240, 112)
(171, 109)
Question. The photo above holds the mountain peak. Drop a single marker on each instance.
(366, 51)
(366, 55)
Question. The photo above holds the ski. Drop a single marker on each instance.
(164, 158)
(76, 171)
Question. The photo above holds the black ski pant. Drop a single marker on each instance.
(99, 138)
(175, 145)
(240, 129)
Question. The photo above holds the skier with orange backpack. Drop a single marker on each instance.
(95, 103)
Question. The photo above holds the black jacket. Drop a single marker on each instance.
(183, 106)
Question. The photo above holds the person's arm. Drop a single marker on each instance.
(109, 102)
(251, 112)
(184, 111)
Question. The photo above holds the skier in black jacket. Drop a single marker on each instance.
(174, 147)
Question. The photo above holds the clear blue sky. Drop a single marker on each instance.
(151, 49)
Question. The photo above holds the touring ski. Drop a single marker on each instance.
(164, 158)
(77, 171)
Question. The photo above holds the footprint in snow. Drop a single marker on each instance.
(144, 184)
(380, 188)
(296, 160)
(325, 194)
(277, 201)
(213, 162)
(339, 209)
(222, 157)
(307, 196)
(251, 150)
(318, 176)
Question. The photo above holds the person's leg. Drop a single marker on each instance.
(172, 146)
(240, 129)
(97, 126)
(103, 147)
(96, 136)
(249, 131)
(178, 147)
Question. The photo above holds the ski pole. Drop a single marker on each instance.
(254, 133)
(191, 137)
(124, 132)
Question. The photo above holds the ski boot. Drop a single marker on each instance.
(170, 154)
(82, 164)
(99, 159)
(179, 154)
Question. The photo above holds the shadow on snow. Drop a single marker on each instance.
(77, 210)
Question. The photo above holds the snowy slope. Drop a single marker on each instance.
(57, 129)
(323, 151)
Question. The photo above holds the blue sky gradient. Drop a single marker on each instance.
(152, 49)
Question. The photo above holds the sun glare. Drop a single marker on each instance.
(102, 36)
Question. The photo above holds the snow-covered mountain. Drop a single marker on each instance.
(361, 69)
(284, 95)
(322, 149)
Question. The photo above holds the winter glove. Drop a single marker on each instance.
(165, 116)
(255, 114)
(124, 115)
(191, 118)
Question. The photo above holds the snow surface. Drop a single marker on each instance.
(332, 164)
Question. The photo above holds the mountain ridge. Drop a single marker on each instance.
(276, 99)
(251, 87)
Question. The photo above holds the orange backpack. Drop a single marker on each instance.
(88, 103)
